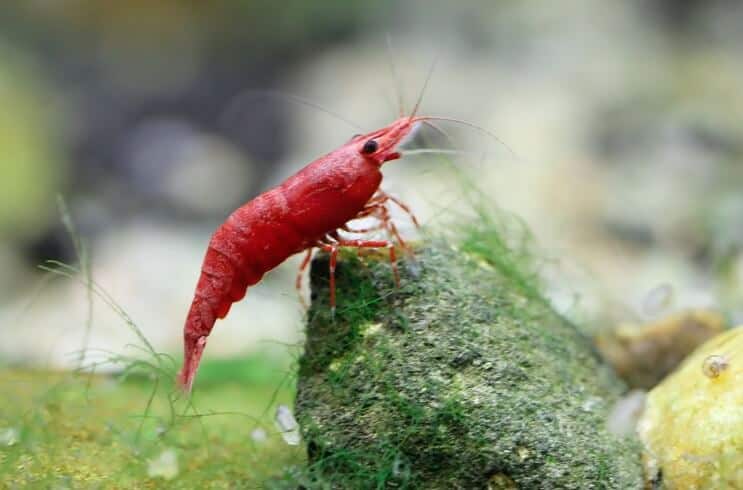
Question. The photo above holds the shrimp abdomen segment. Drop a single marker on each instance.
(241, 251)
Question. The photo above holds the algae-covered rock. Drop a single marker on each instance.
(692, 427)
(462, 378)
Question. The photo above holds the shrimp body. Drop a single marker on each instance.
(290, 218)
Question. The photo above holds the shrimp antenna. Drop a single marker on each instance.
(437, 151)
(440, 131)
(425, 85)
(473, 126)
(299, 100)
(395, 77)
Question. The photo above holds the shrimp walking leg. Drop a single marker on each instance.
(300, 273)
(379, 210)
(332, 248)
(400, 204)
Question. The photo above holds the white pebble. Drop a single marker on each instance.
(164, 466)
(626, 412)
(287, 425)
(258, 435)
(9, 436)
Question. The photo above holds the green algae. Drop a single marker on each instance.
(97, 431)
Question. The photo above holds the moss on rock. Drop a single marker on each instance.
(461, 378)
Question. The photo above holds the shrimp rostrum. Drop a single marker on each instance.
(308, 210)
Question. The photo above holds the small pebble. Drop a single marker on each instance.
(164, 466)
(9, 436)
(258, 435)
(626, 412)
(287, 425)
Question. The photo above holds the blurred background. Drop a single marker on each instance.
(151, 119)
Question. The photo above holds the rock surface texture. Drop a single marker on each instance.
(462, 378)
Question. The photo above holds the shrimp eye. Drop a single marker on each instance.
(370, 146)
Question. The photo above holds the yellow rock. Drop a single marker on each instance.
(692, 427)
